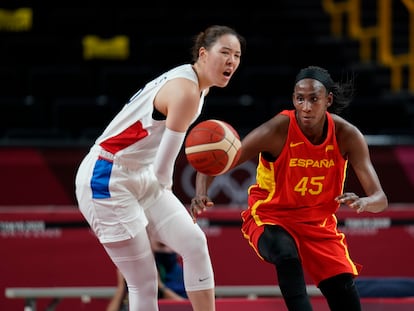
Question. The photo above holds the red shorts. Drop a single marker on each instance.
(322, 248)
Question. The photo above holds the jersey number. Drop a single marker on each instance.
(313, 185)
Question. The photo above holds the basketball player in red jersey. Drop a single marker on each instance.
(290, 220)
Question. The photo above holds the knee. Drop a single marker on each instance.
(340, 292)
(194, 244)
(277, 246)
(338, 285)
(285, 257)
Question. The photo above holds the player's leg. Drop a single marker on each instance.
(171, 224)
(135, 260)
(341, 293)
(119, 222)
(279, 248)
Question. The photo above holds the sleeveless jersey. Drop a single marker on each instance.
(297, 192)
(302, 183)
(133, 134)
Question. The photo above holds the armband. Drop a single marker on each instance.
(167, 153)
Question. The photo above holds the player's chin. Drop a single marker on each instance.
(223, 83)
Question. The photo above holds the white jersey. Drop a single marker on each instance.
(133, 134)
(122, 199)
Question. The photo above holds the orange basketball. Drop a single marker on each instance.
(212, 147)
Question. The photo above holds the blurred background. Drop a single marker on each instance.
(65, 72)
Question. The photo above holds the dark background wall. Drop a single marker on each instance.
(52, 94)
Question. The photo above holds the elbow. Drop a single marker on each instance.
(385, 203)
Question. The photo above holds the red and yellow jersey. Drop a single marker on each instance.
(297, 191)
(302, 183)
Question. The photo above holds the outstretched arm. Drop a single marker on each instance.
(356, 148)
(269, 136)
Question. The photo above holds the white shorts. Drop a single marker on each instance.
(112, 197)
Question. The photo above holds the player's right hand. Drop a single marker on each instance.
(199, 204)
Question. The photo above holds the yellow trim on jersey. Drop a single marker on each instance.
(265, 180)
(342, 235)
(345, 174)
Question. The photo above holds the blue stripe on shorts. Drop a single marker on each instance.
(100, 179)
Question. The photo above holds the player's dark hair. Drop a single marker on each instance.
(208, 37)
(343, 92)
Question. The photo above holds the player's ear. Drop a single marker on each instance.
(329, 99)
(202, 52)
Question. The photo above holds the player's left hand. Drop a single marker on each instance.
(352, 200)
(199, 204)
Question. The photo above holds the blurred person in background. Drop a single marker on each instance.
(170, 279)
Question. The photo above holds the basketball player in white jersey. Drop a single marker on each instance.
(123, 185)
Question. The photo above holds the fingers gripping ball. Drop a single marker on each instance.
(212, 147)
